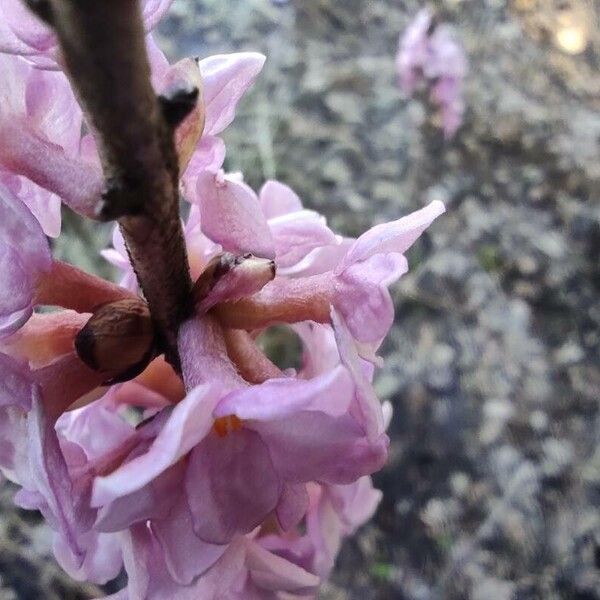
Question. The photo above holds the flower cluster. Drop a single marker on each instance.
(429, 55)
(233, 478)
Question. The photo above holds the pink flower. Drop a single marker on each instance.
(24, 259)
(33, 456)
(249, 446)
(40, 128)
(31, 277)
(334, 513)
(246, 443)
(429, 54)
(23, 33)
(246, 571)
(355, 284)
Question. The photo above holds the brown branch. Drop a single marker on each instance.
(104, 53)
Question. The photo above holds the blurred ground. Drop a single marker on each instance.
(492, 488)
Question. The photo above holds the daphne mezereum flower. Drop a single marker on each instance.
(429, 54)
(22, 33)
(232, 478)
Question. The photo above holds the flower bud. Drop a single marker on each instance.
(118, 339)
(228, 277)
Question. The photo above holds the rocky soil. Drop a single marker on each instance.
(493, 484)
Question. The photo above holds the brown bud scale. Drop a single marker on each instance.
(118, 338)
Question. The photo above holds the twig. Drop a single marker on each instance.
(104, 53)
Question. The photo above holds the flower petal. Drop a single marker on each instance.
(362, 297)
(296, 234)
(275, 574)
(187, 424)
(208, 155)
(231, 216)
(292, 505)
(186, 555)
(369, 408)
(397, 236)
(153, 11)
(29, 28)
(284, 398)
(226, 78)
(314, 446)
(278, 199)
(15, 383)
(50, 474)
(231, 485)
(24, 257)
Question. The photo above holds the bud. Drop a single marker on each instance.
(183, 106)
(228, 277)
(118, 339)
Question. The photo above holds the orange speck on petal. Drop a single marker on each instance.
(225, 425)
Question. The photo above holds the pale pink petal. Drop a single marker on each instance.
(153, 11)
(231, 216)
(22, 32)
(95, 428)
(280, 398)
(15, 73)
(296, 234)
(326, 531)
(273, 573)
(26, 152)
(9, 42)
(44, 205)
(159, 64)
(316, 446)
(356, 503)
(153, 501)
(369, 409)
(24, 258)
(186, 556)
(49, 472)
(187, 425)
(52, 107)
(320, 353)
(209, 155)
(396, 236)
(33, 32)
(292, 506)
(226, 78)
(278, 199)
(150, 580)
(231, 485)
(103, 559)
(16, 386)
(16, 389)
(362, 297)
(320, 260)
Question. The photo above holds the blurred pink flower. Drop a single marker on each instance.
(429, 54)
